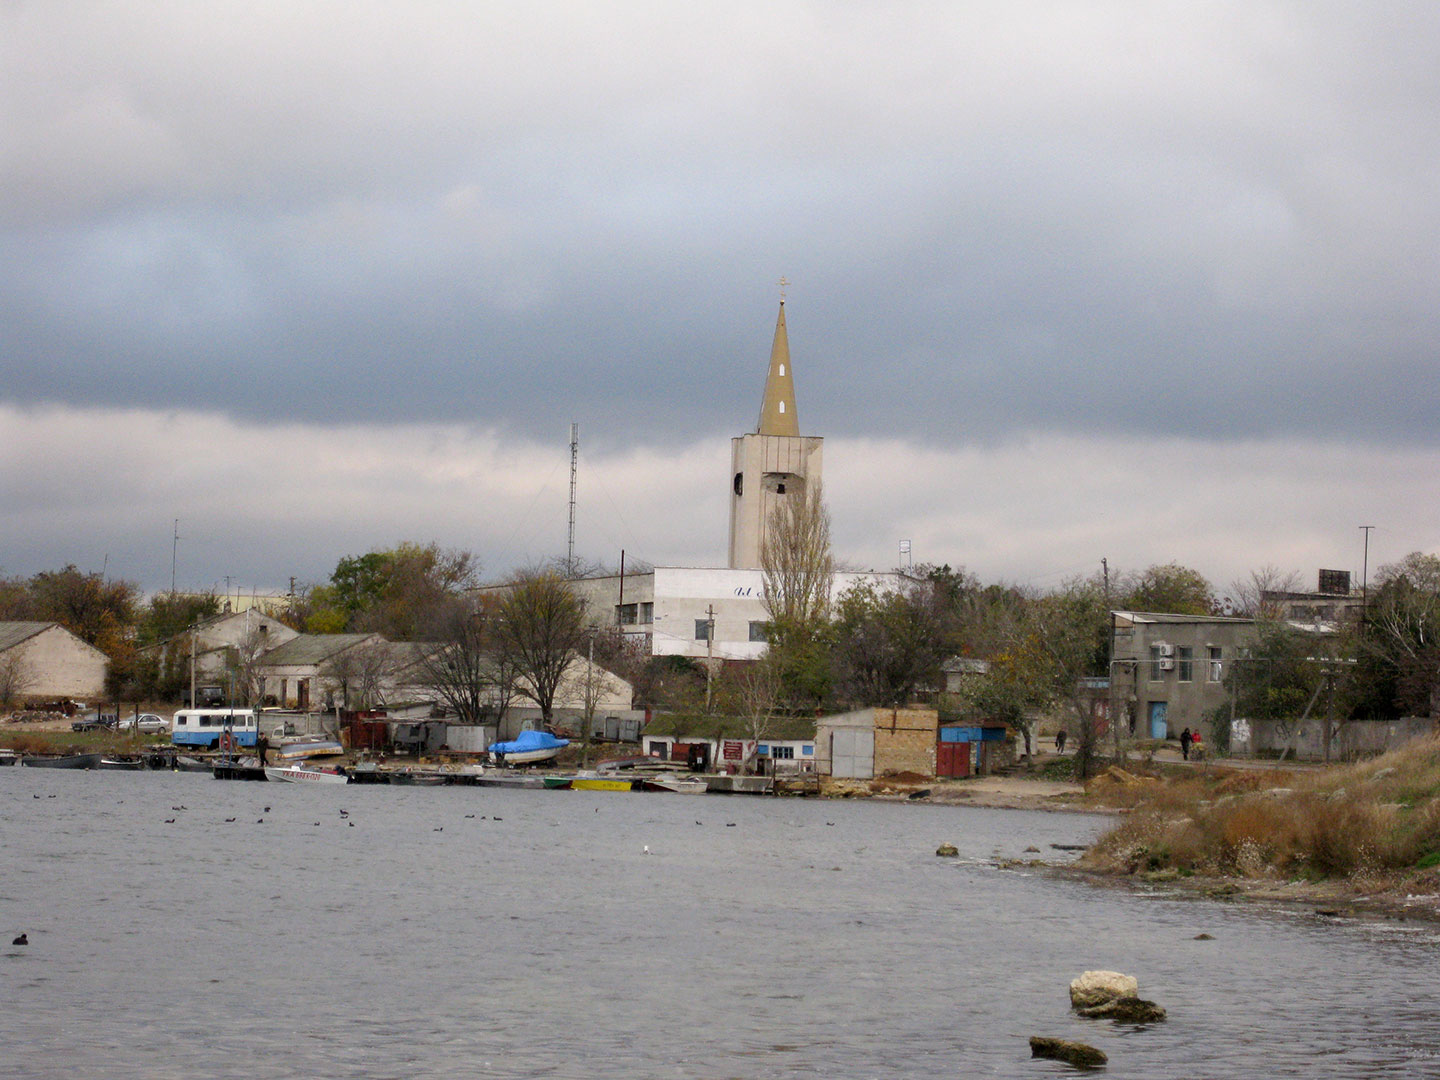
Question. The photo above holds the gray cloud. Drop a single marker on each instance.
(1003, 222)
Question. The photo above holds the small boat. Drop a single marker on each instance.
(601, 783)
(186, 763)
(302, 774)
(9, 757)
(529, 748)
(558, 783)
(510, 780)
(305, 746)
(128, 763)
(53, 761)
(685, 785)
(416, 777)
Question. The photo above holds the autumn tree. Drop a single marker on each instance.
(539, 628)
(96, 609)
(401, 592)
(798, 570)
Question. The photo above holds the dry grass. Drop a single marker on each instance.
(1379, 816)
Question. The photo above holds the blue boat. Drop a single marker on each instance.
(528, 748)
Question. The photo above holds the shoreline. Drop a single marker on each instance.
(1330, 899)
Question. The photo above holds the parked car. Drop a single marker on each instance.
(146, 723)
(91, 723)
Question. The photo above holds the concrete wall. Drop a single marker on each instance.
(57, 664)
(1357, 738)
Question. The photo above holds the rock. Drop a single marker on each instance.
(1204, 937)
(1098, 987)
(1125, 1010)
(947, 851)
(923, 793)
(1081, 1055)
(1382, 773)
(1032, 849)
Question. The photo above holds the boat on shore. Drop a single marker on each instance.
(56, 761)
(602, 783)
(305, 746)
(498, 778)
(558, 783)
(683, 785)
(304, 774)
(529, 748)
(9, 757)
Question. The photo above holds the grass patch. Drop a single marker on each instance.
(1375, 817)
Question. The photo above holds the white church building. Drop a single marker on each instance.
(672, 607)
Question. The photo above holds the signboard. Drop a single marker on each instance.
(1335, 582)
(732, 750)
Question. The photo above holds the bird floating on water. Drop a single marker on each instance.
(23, 939)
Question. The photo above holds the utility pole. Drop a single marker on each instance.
(1365, 575)
(574, 462)
(174, 549)
(709, 655)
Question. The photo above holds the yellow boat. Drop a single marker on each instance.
(597, 783)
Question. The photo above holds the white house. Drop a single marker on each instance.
(42, 661)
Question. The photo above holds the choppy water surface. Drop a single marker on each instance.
(757, 938)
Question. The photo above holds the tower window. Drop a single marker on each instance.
(739, 483)
(782, 369)
(782, 406)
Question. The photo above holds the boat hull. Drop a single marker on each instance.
(295, 775)
(74, 761)
(598, 783)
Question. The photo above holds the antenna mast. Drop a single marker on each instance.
(574, 461)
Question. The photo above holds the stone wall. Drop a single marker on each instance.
(905, 741)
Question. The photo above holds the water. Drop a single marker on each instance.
(757, 938)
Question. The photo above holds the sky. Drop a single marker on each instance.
(1066, 281)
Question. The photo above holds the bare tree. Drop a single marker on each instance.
(1253, 596)
(243, 662)
(799, 570)
(15, 677)
(798, 564)
(466, 669)
(539, 628)
(358, 674)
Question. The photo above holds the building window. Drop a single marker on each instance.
(784, 753)
(702, 629)
(782, 407)
(647, 613)
(759, 630)
(1185, 663)
(625, 614)
(782, 369)
(1157, 670)
(1217, 666)
(807, 750)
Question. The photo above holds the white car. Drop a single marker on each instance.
(146, 723)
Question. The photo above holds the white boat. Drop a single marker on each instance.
(305, 746)
(299, 774)
(685, 785)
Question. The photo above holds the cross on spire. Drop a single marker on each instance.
(783, 282)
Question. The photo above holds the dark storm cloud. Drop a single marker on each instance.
(1214, 222)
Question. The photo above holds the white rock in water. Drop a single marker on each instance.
(1098, 987)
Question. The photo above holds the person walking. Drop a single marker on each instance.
(1060, 741)
(1197, 748)
(1185, 738)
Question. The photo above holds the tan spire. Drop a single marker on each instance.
(778, 415)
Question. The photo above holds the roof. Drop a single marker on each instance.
(777, 412)
(314, 648)
(681, 725)
(1145, 617)
(13, 633)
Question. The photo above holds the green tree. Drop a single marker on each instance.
(888, 643)
(1398, 644)
(402, 592)
(1172, 589)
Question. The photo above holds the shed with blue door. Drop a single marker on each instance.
(968, 750)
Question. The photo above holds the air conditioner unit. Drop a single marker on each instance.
(1167, 665)
(1165, 648)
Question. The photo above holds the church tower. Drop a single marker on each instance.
(773, 463)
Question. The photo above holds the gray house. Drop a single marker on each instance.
(1168, 671)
